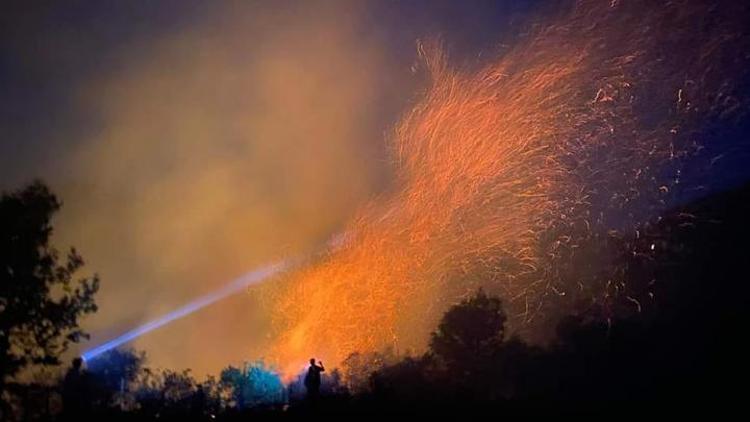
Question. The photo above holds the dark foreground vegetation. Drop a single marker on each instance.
(683, 352)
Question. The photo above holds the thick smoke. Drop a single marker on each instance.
(213, 150)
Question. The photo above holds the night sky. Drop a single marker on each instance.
(138, 115)
(191, 141)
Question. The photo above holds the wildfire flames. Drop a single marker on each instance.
(508, 174)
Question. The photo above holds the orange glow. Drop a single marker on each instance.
(219, 147)
(502, 173)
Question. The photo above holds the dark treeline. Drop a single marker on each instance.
(681, 352)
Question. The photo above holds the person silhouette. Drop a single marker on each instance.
(312, 379)
(74, 391)
(199, 402)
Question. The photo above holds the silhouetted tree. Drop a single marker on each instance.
(463, 362)
(112, 374)
(170, 394)
(41, 300)
(358, 367)
(470, 332)
(253, 385)
(410, 381)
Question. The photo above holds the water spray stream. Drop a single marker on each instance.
(237, 285)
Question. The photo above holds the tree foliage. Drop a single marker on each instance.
(114, 371)
(253, 385)
(41, 298)
(472, 330)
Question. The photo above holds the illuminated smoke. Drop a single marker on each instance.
(236, 286)
(512, 176)
(219, 146)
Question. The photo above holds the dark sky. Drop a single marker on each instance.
(193, 140)
(165, 127)
(48, 49)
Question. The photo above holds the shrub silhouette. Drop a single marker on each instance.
(470, 331)
(41, 296)
(40, 325)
